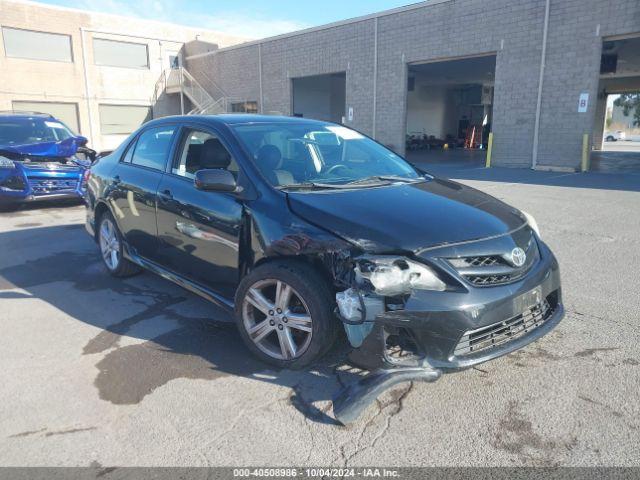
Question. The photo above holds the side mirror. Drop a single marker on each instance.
(215, 180)
(103, 153)
(82, 141)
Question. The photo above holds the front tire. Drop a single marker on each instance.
(111, 248)
(284, 312)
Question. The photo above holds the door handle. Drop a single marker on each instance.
(165, 196)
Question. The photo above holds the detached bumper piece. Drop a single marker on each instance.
(355, 399)
(402, 360)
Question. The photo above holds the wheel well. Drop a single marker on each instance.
(312, 261)
(100, 210)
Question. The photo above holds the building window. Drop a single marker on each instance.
(114, 53)
(53, 47)
(67, 113)
(245, 107)
(122, 119)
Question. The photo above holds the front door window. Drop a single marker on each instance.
(203, 151)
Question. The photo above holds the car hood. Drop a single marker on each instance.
(407, 217)
(61, 149)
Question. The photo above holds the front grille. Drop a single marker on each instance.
(485, 338)
(485, 261)
(493, 270)
(41, 186)
(486, 280)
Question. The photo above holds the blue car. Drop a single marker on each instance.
(40, 159)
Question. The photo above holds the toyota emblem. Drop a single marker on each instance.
(518, 257)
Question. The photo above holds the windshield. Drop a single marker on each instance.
(329, 155)
(29, 130)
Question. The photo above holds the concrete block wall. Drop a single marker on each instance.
(341, 49)
(511, 30)
(234, 74)
(574, 47)
(441, 30)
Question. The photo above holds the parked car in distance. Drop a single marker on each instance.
(615, 136)
(40, 159)
(301, 228)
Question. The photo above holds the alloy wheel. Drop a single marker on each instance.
(277, 319)
(109, 244)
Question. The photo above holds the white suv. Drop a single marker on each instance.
(614, 136)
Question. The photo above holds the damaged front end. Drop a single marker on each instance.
(43, 171)
(413, 319)
(380, 284)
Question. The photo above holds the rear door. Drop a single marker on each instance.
(199, 231)
(137, 178)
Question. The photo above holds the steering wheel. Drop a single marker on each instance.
(335, 167)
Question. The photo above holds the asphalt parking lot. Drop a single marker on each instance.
(103, 372)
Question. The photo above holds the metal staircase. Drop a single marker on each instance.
(180, 81)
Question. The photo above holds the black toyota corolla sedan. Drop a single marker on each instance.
(302, 229)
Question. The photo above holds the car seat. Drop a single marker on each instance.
(269, 160)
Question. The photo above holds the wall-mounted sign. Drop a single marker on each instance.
(583, 103)
(350, 114)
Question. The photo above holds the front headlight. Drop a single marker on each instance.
(391, 275)
(532, 222)
(6, 163)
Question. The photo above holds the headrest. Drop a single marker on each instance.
(192, 163)
(214, 155)
(269, 157)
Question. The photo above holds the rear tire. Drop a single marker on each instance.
(112, 247)
(284, 312)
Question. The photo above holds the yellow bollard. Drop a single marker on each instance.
(489, 148)
(585, 153)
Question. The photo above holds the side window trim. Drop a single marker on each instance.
(177, 153)
(129, 149)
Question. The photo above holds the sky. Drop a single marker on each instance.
(247, 18)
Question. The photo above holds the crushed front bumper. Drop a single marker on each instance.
(43, 189)
(51, 197)
(442, 332)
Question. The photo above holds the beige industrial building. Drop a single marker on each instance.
(96, 72)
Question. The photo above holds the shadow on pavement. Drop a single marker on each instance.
(24, 208)
(595, 180)
(151, 331)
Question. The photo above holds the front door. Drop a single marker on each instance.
(198, 231)
(137, 178)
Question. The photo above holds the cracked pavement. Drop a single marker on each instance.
(142, 373)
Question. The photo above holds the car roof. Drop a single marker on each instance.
(237, 119)
(23, 114)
